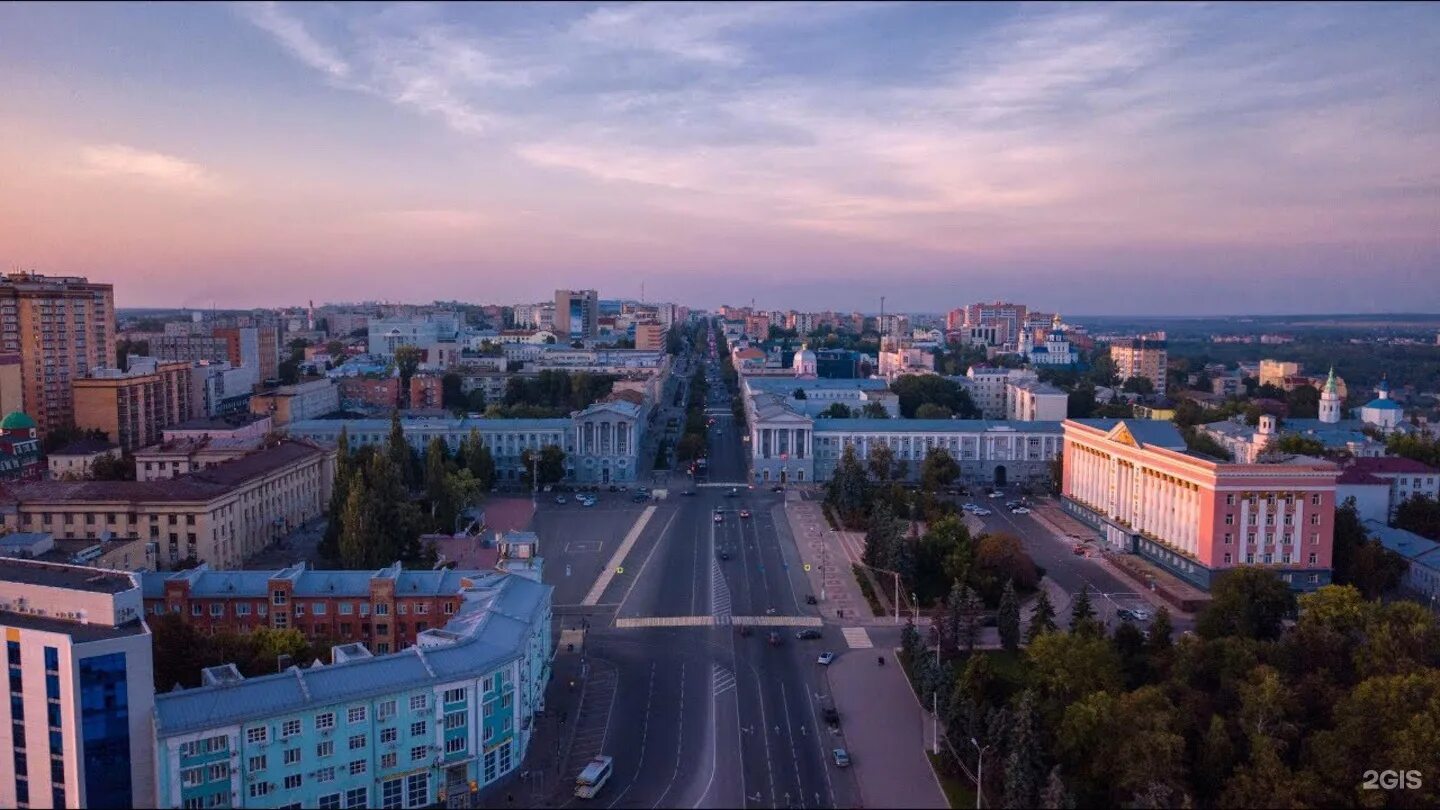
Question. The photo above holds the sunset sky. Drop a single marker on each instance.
(1172, 159)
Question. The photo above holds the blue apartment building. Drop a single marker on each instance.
(432, 725)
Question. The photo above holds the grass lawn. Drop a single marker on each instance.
(958, 791)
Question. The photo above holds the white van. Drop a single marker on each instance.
(594, 777)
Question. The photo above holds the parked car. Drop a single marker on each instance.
(811, 600)
(719, 518)
(560, 499)
(808, 633)
(744, 513)
(825, 659)
(997, 494)
(614, 488)
(1124, 615)
(1140, 614)
(832, 717)
(588, 502)
(842, 758)
(777, 487)
(639, 497)
(969, 507)
(1019, 510)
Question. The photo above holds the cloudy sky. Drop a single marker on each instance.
(1176, 158)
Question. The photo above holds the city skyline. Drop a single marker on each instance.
(1093, 159)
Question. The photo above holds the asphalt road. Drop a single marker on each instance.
(1070, 571)
(700, 716)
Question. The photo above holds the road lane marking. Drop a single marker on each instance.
(639, 622)
(679, 741)
(659, 541)
(616, 561)
(857, 637)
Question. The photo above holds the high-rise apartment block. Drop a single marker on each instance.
(577, 314)
(1142, 356)
(1007, 319)
(255, 346)
(61, 326)
(133, 407)
(76, 731)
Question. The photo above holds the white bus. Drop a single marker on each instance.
(594, 777)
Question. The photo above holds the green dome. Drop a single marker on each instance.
(16, 420)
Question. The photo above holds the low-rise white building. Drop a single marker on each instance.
(1034, 401)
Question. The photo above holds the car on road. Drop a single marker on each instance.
(810, 599)
(593, 778)
(997, 494)
(842, 758)
(1140, 614)
(639, 497)
(744, 513)
(587, 503)
(777, 487)
(723, 555)
(832, 717)
(689, 493)
(981, 512)
(825, 659)
(774, 639)
(808, 633)
(732, 493)
(719, 518)
(560, 499)
(614, 488)
(968, 507)
(1019, 510)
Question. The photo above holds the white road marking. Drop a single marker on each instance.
(646, 564)
(679, 740)
(857, 637)
(603, 581)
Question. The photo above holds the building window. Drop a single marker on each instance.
(325, 749)
(325, 775)
(325, 721)
(1314, 538)
(391, 793)
(1227, 558)
(382, 609)
(292, 756)
(417, 789)
(1314, 520)
(1313, 578)
(1229, 520)
(357, 767)
(290, 728)
(387, 760)
(385, 711)
(346, 608)
(454, 745)
(330, 801)
(355, 714)
(1314, 558)
(417, 729)
(279, 597)
(1315, 500)
(357, 797)
(292, 781)
(388, 735)
(357, 741)
(318, 609)
(258, 789)
(257, 763)
(418, 752)
(257, 736)
(455, 695)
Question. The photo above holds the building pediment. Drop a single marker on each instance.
(1120, 433)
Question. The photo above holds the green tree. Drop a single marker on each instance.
(1042, 618)
(881, 463)
(1161, 630)
(1055, 796)
(550, 466)
(329, 547)
(1065, 668)
(407, 362)
(452, 394)
(1303, 402)
(113, 468)
(1138, 385)
(848, 492)
(479, 461)
(799, 393)
(1001, 558)
(360, 538)
(881, 535)
(932, 411)
(1419, 514)
(874, 410)
(400, 453)
(837, 410)
(1295, 444)
(1025, 757)
(1216, 759)
(1246, 602)
(437, 486)
(939, 469)
(1007, 618)
(915, 390)
(1082, 613)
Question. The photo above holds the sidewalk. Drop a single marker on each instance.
(1156, 586)
(830, 555)
(885, 732)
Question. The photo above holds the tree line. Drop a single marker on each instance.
(1253, 710)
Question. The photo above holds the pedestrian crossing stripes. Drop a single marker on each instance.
(664, 621)
(637, 622)
(856, 637)
(603, 581)
(719, 594)
(724, 680)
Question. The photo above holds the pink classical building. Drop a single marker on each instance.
(1135, 483)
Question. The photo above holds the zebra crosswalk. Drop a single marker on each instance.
(636, 622)
(857, 637)
(724, 679)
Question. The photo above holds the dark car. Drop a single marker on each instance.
(614, 488)
(777, 488)
(811, 600)
(689, 493)
(774, 639)
(808, 633)
(639, 497)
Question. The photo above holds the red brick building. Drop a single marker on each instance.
(383, 609)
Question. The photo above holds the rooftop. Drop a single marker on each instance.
(85, 447)
(492, 627)
(194, 487)
(220, 423)
(1407, 544)
(305, 582)
(77, 630)
(785, 385)
(1390, 464)
(70, 577)
(934, 426)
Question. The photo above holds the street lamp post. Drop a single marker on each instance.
(980, 772)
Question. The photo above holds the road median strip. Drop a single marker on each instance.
(603, 581)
